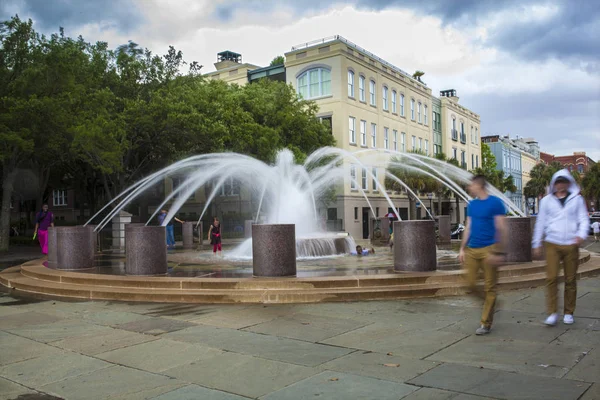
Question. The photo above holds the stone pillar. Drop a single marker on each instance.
(248, 228)
(146, 250)
(200, 233)
(444, 229)
(274, 250)
(188, 235)
(414, 246)
(74, 247)
(518, 248)
(543, 255)
(118, 229)
(51, 247)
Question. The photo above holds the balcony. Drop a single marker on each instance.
(463, 138)
(454, 134)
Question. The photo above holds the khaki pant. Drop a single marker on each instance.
(569, 255)
(476, 259)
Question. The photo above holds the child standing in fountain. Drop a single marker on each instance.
(214, 235)
(43, 220)
(483, 246)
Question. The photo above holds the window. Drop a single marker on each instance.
(454, 132)
(315, 83)
(419, 112)
(375, 182)
(454, 154)
(433, 117)
(426, 147)
(373, 135)
(395, 140)
(463, 136)
(386, 138)
(361, 88)
(372, 92)
(353, 177)
(476, 161)
(365, 182)
(350, 84)
(472, 161)
(412, 109)
(403, 141)
(385, 98)
(356, 213)
(394, 110)
(472, 137)
(425, 115)
(463, 161)
(59, 197)
(376, 212)
(402, 105)
(363, 133)
(580, 168)
(414, 143)
(230, 188)
(420, 144)
(476, 136)
(352, 129)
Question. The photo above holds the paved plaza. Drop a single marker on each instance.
(405, 349)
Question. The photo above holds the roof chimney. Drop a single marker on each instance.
(226, 59)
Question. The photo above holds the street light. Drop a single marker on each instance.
(430, 197)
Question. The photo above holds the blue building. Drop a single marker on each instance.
(508, 160)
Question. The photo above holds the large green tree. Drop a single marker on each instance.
(591, 184)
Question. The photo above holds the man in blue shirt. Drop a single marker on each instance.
(482, 246)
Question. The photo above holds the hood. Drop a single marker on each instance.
(573, 188)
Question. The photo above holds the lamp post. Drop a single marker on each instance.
(430, 197)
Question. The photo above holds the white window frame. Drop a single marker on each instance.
(361, 88)
(228, 188)
(394, 108)
(472, 161)
(373, 135)
(455, 153)
(425, 114)
(353, 182)
(402, 104)
(350, 83)
(420, 144)
(426, 147)
(363, 132)
(375, 180)
(385, 96)
(403, 141)
(59, 198)
(352, 129)
(386, 138)
(364, 180)
(412, 109)
(472, 137)
(307, 74)
(372, 97)
(476, 160)
(395, 140)
(476, 141)
(419, 112)
(413, 142)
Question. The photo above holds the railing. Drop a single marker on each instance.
(454, 134)
(357, 47)
(463, 138)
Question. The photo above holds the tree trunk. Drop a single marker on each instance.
(8, 180)
(412, 209)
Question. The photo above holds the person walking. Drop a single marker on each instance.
(214, 235)
(562, 225)
(169, 228)
(483, 246)
(43, 220)
(596, 229)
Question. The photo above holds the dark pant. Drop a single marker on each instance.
(170, 236)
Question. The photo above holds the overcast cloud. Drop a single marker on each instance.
(529, 68)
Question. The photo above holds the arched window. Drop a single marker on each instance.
(419, 112)
(385, 98)
(315, 83)
(412, 109)
(372, 92)
(394, 101)
(402, 105)
(580, 168)
(425, 114)
(350, 83)
(361, 88)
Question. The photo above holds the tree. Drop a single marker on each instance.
(591, 184)
(279, 60)
(417, 75)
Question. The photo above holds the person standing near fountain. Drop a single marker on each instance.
(43, 220)
(482, 247)
(214, 235)
(169, 227)
(563, 223)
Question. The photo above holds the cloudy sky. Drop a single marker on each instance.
(529, 68)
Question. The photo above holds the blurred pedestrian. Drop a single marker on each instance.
(43, 220)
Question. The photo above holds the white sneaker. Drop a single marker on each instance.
(568, 319)
(551, 320)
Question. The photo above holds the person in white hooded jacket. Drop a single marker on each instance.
(562, 224)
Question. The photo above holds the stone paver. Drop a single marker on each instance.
(588, 369)
(42, 371)
(112, 318)
(115, 382)
(240, 374)
(195, 392)
(15, 349)
(10, 390)
(58, 330)
(158, 355)
(102, 342)
(499, 384)
(155, 326)
(240, 318)
(340, 386)
(24, 319)
(270, 347)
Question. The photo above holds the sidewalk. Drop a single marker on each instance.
(419, 349)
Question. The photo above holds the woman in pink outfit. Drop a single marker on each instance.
(43, 220)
